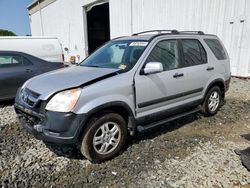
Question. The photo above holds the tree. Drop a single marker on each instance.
(6, 33)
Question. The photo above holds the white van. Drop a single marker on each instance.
(46, 48)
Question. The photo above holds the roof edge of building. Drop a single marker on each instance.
(37, 5)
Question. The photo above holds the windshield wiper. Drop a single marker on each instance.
(90, 65)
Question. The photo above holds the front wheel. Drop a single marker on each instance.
(212, 102)
(104, 137)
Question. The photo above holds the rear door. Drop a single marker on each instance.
(195, 62)
(14, 71)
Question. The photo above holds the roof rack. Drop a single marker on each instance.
(158, 31)
(193, 32)
(175, 32)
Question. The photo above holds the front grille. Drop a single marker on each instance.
(29, 97)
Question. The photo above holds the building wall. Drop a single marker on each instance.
(120, 18)
(35, 24)
(63, 19)
(229, 19)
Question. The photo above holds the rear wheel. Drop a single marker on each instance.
(212, 101)
(104, 137)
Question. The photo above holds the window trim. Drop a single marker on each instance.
(182, 52)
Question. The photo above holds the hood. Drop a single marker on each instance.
(75, 76)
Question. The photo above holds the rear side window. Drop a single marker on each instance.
(217, 49)
(193, 52)
(26, 62)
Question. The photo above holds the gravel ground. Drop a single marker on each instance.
(191, 152)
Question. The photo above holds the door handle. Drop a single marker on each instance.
(210, 68)
(29, 70)
(177, 75)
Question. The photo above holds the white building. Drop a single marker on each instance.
(82, 25)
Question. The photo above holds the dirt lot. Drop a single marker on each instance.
(191, 152)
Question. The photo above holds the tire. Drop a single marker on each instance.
(212, 101)
(110, 133)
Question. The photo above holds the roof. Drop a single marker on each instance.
(37, 5)
(32, 3)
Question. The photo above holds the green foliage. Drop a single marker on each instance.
(6, 33)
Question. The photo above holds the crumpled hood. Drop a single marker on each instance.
(54, 81)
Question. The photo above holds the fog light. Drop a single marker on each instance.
(38, 128)
(54, 134)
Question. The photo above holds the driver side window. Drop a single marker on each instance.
(167, 53)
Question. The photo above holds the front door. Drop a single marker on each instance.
(157, 92)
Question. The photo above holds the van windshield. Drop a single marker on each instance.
(119, 54)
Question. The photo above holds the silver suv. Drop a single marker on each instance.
(130, 84)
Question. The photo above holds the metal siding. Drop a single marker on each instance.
(131, 16)
(246, 41)
(210, 16)
(62, 19)
(35, 24)
(243, 67)
(120, 18)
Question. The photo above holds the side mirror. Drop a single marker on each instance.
(153, 67)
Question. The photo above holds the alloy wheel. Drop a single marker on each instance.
(107, 138)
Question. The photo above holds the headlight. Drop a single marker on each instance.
(64, 101)
(25, 83)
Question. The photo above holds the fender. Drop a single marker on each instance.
(131, 118)
(112, 104)
(212, 83)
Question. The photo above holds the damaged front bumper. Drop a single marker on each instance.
(54, 127)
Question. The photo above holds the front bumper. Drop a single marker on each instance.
(54, 127)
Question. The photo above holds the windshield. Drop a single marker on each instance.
(121, 55)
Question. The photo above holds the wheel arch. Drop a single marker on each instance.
(118, 107)
(217, 82)
(121, 107)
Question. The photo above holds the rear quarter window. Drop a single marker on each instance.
(217, 49)
(26, 62)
